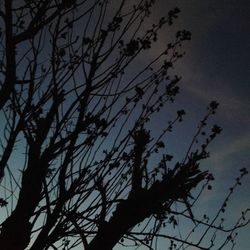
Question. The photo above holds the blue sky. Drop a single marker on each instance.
(217, 67)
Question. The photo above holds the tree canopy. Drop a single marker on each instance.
(81, 164)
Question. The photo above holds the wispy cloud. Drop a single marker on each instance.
(232, 105)
(241, 144)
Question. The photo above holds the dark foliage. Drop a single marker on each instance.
(80, 163)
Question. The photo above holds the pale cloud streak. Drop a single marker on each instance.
(233, 107)
(237, 146)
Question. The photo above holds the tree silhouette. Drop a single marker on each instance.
(79, 165)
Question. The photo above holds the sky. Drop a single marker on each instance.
(217, 67)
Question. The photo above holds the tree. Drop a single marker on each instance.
(79, 164)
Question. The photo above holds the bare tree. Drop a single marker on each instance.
(80, 163)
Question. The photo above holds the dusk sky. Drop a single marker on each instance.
(217, 67)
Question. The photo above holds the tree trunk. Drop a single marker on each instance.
(127, 215)
(16, 229)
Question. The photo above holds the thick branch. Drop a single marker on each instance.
(143, 204)
(9, 82)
